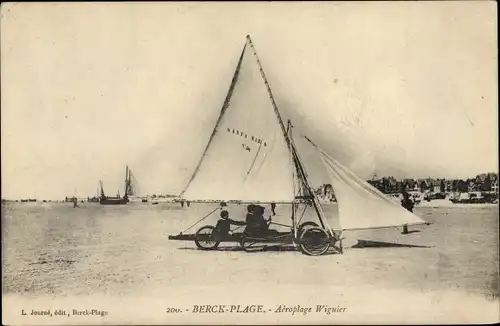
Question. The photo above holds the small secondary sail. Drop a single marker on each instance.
(311, 160)
(361, 206)
(247, 157)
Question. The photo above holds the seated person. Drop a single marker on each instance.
(250, 212)
(256, 224)
(223, 226)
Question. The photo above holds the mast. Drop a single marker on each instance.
(285, 130)
(294, 226)
(298, 167)
(102, 189)
(127, 171)
(226, 105)
(305, 181)
(298, 164)
(276, 110)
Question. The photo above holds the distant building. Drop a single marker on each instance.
(423, 184)
(485, 182)
(472, 185)
(448, 185)
(410, 185)
(436, 186)
(494, 186)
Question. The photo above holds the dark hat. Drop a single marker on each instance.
(224, 214)
(250, 208)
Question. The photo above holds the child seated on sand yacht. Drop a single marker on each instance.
(223, 226)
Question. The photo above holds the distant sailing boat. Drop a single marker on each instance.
(133, 190)
(251, 157)
(104, 200)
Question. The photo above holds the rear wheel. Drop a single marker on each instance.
(204, 238)
(306, 225)
(314, 241)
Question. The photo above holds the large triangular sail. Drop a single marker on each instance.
(362, 206)
(247, 157)
(133, 185)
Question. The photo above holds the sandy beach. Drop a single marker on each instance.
(119, 259)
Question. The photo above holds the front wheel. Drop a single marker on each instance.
(204, 238)
(251, 244)
(314, 241)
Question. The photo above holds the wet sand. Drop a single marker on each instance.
(119, 258)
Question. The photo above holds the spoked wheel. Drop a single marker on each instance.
(204, 238)
(251, 245)
(314, 241)
(306, 225)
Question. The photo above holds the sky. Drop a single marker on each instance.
(404, 89)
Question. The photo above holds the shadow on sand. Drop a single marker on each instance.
(331, 251)
(412, 231)
(380, 244)
(260, 249)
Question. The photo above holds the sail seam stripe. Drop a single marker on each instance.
(223, 110)
(253, 161)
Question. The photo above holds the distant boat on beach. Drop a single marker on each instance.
(129, 191)
(28, 200)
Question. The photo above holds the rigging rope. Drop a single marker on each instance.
(204, 217)
(288, 226)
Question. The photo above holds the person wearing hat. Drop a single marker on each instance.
(256, 224)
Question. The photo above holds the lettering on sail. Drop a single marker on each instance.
(248, 137)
